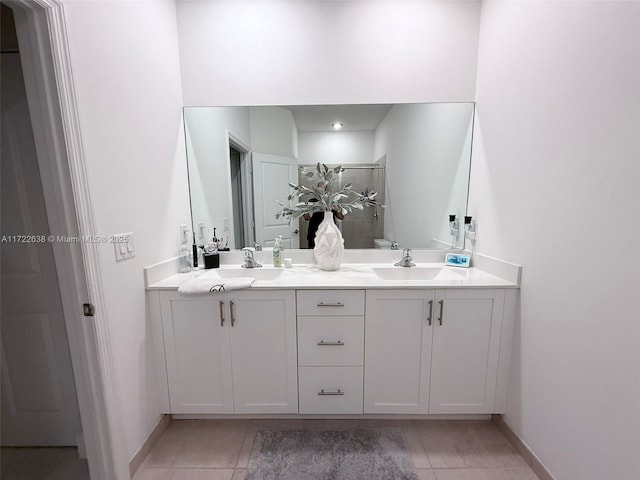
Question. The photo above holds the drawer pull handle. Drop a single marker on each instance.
(221, 314)
(430, 311)
(338, 392)
(330, 304)
(339, 343)
(441, 302)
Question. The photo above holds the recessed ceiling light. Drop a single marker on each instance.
(336, 125)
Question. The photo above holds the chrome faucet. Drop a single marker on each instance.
(406, 260)
(249, 260)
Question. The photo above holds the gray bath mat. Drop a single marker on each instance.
(371, 454)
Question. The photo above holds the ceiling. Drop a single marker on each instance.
(319, 118)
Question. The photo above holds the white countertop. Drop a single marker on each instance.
(350, 275)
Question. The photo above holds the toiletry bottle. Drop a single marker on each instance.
(277, 258)
(200, 255)
(185, 264)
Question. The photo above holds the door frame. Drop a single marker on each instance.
(51, 97)
(246, 172)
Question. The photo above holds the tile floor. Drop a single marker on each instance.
(440, 449)
(50, 463)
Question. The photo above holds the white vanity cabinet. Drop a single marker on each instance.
(432, 351)
(231, 353)
(467, 327)
(330, 351)
(398, 351)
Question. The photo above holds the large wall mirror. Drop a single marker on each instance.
(416, 156)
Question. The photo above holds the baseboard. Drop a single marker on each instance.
(82, 447)
(523, 449)
(145, 448)
(359, 416)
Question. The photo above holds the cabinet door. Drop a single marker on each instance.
(466, 345)
(264, 351)
(397, 351)
(197, 353)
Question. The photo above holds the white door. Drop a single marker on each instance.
(39, 402)
(466, 345)
(196, 336)
(397, 351)
(271, 177)
(264, 351)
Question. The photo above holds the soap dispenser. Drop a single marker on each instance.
(277, 253)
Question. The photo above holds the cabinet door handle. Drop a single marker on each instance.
(323, 393)
(339, 343)
(441, 302)
(430, 312)
(233, 319)
(221, 303)
(334, 304)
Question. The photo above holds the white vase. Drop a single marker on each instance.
(329, 244)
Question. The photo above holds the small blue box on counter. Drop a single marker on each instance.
(457, 260)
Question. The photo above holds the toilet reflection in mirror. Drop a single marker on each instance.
(416, 156)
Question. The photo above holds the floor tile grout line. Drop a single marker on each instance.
(404, 429)
(248, 429)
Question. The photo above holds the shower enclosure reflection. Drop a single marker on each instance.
(361, 227)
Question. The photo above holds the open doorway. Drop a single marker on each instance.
(241, 195)
(235, 158)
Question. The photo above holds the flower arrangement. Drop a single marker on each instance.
(325, 194)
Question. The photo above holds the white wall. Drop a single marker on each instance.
(207, 131)
(279, 52)
(335, 147)
(273, 130)
(554, 187)
(125, 64)
(427, 148)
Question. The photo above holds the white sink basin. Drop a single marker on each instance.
(257, 273)
(408, 273)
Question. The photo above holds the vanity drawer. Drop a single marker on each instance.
(325, 390)
(330, 341)
(330, 302)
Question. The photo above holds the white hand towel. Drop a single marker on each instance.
(199, 285)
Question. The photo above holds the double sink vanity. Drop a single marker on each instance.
(367, 339)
